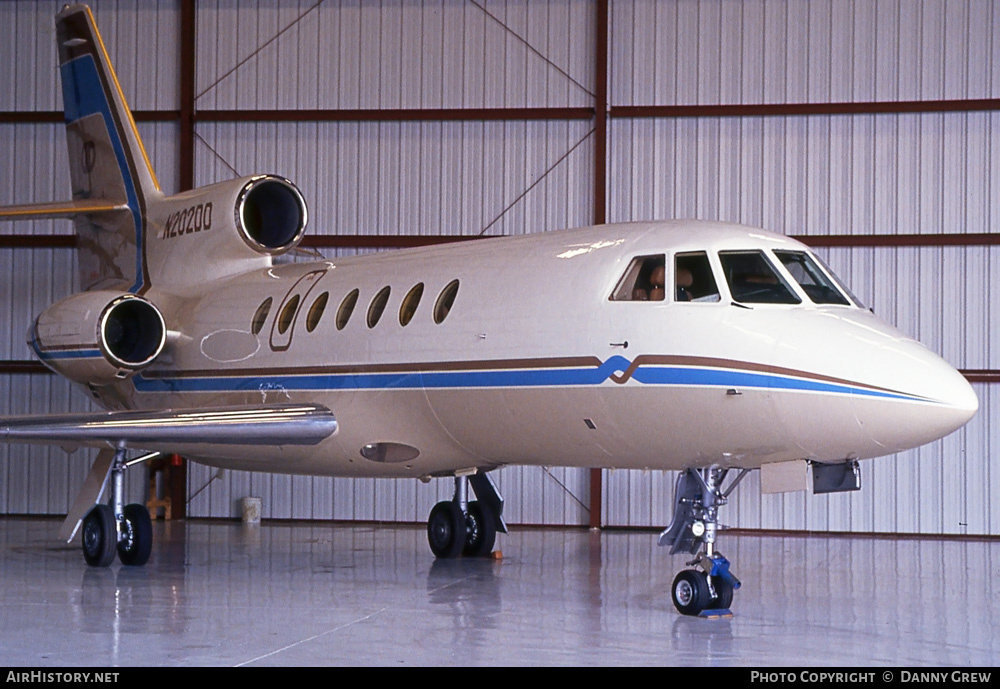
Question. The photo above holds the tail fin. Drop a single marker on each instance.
(107, 160)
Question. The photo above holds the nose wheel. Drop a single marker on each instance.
(709, 587)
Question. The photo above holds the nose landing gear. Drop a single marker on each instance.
(697, 498)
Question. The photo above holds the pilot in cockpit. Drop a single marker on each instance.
(683, 281)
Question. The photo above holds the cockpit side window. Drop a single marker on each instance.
(645, 280)
(814, 282)
(753, 280)
(693, 279)
(836, 279)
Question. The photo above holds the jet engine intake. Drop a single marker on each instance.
(132, 332)
(271, 214)
(99, 337)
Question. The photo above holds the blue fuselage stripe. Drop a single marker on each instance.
(522, 378)
(68, 354)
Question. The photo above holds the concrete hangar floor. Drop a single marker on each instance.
(224, 594)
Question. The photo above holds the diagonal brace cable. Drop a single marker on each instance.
(257, 51)
(535, 183)
(533, 49)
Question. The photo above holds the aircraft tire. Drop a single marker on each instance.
(690, 592)
(99, 536)
(481, 530)
(446, 530)
(723, 593)
(137, 544)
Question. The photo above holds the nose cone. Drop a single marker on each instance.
(931, 399)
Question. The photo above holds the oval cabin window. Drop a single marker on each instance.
(377, 306)
(445, 300)
(316, 311)
(410, 302)
(288, 314)
(260, 315)
(346, 308)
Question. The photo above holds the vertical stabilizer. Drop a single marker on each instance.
(106, 157)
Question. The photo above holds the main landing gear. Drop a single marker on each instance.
(125, 529)
(697, 497)
(467, 528)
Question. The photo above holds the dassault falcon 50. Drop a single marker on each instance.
(709, 348)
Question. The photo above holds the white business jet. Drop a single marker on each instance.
(709, 348)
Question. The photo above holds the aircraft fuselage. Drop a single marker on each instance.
(534, 363)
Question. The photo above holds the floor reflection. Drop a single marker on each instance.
(219, 593)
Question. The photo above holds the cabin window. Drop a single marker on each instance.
(410, 301)
(316, 311)
(377, 306)
(693, 279)
(753, 280)
(814, 282)
(645, 280)
(346, 308)
(260, 315)
(288, 314)
(445, 300)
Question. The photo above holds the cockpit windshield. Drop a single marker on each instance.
(693, 280)
(813, 280)
(753, 280)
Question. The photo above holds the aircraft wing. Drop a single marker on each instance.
(276, 424)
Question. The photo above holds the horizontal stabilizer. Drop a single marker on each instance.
(274, 425)
(60, 209)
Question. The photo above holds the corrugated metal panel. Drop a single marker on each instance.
(822, 174)
(33, 280)
(941, 296)
(36, 172)
(452, 178)
(141, 39)
(161, 141)
(37, 479)
(533, 496)
(433, 54)
(28, 70)
(33, 168)
(941, 488)
(778, 51)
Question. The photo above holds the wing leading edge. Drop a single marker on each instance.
(282, 424)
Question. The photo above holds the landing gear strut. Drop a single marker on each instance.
(126, 529)
(698, 496)
(460, 527)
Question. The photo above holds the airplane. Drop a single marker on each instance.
(704, 347)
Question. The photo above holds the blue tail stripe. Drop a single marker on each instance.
(84, 95)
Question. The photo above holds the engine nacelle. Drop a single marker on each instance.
(271, 214)
(266, 212)
(99, 337)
